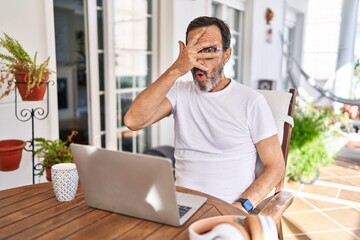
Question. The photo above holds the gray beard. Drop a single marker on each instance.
(211, 83)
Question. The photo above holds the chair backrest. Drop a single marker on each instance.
(282, 105)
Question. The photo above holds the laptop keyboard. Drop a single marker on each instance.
(183, 210)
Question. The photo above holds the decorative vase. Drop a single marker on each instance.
(36, 93)
(10, 154)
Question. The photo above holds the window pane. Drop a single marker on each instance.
(100, 26)
(103, 140)
(125, 141)
(132, 65)
(233, 18)
(101, 72)
(102, 112)
(235, 44)
(122, 104)
(143, 140)
(124, 82)
(216, 10)
(131, 25)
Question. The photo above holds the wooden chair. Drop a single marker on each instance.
(276, 205)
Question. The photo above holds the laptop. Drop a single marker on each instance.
(136, 185)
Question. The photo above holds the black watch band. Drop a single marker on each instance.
(246, 204)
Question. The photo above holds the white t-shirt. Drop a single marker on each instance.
(215, 135)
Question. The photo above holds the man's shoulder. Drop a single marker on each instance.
(184, 86)
(184, 83)
(246, 91)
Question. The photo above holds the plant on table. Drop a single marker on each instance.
(54, 151)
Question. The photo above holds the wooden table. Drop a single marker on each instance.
(32, 211)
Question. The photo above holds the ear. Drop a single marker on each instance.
(227, 54)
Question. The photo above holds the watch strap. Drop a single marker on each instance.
(246, 204)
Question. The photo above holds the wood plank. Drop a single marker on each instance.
(75, 225)
(19, 214)
(223, 207)
(11, 192)
(23, 194)
(54, 222)
(27, 203)
(43, 212)
(168, 232)
(140, 231)
(109, 227)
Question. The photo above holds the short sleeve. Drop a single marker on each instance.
(261, 121)
(171, 95)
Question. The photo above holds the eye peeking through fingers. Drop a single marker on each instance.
(210, 50)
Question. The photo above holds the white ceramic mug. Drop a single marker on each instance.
(65, 181)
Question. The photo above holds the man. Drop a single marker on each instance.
(220, 124)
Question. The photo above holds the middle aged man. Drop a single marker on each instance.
(220, 124)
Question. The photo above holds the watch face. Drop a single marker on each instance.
(247, 205)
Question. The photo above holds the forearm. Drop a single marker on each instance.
(264, 184)
(145, 109)
(270, 154)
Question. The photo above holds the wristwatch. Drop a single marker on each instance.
(246, 204)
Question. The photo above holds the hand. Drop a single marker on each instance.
(190, 57)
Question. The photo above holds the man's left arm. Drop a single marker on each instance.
(270, 153)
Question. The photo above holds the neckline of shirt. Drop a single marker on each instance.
(217, 93)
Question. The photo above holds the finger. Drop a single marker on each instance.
(196, 37)
(205, 44)
(200, 66)
(209, 55)
(181, 47)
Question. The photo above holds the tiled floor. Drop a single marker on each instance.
(328, 208)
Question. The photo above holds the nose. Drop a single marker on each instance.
(201, 61)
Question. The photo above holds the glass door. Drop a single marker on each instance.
(72, 82)
(120, 37)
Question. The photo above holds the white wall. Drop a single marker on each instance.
(266, 58)
(31, 22)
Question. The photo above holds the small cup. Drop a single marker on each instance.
(65, 181)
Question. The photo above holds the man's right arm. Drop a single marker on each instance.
(151, 105)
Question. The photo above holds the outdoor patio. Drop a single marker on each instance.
(330, 207)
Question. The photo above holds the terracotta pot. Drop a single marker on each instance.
(10, 154)
(37, 93)
(48, 173)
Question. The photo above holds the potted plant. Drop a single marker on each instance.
(10, 154)
(317, 136)
(307, 151)
(31, 77)
(53, 152)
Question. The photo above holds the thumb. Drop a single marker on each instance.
(181, 46)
